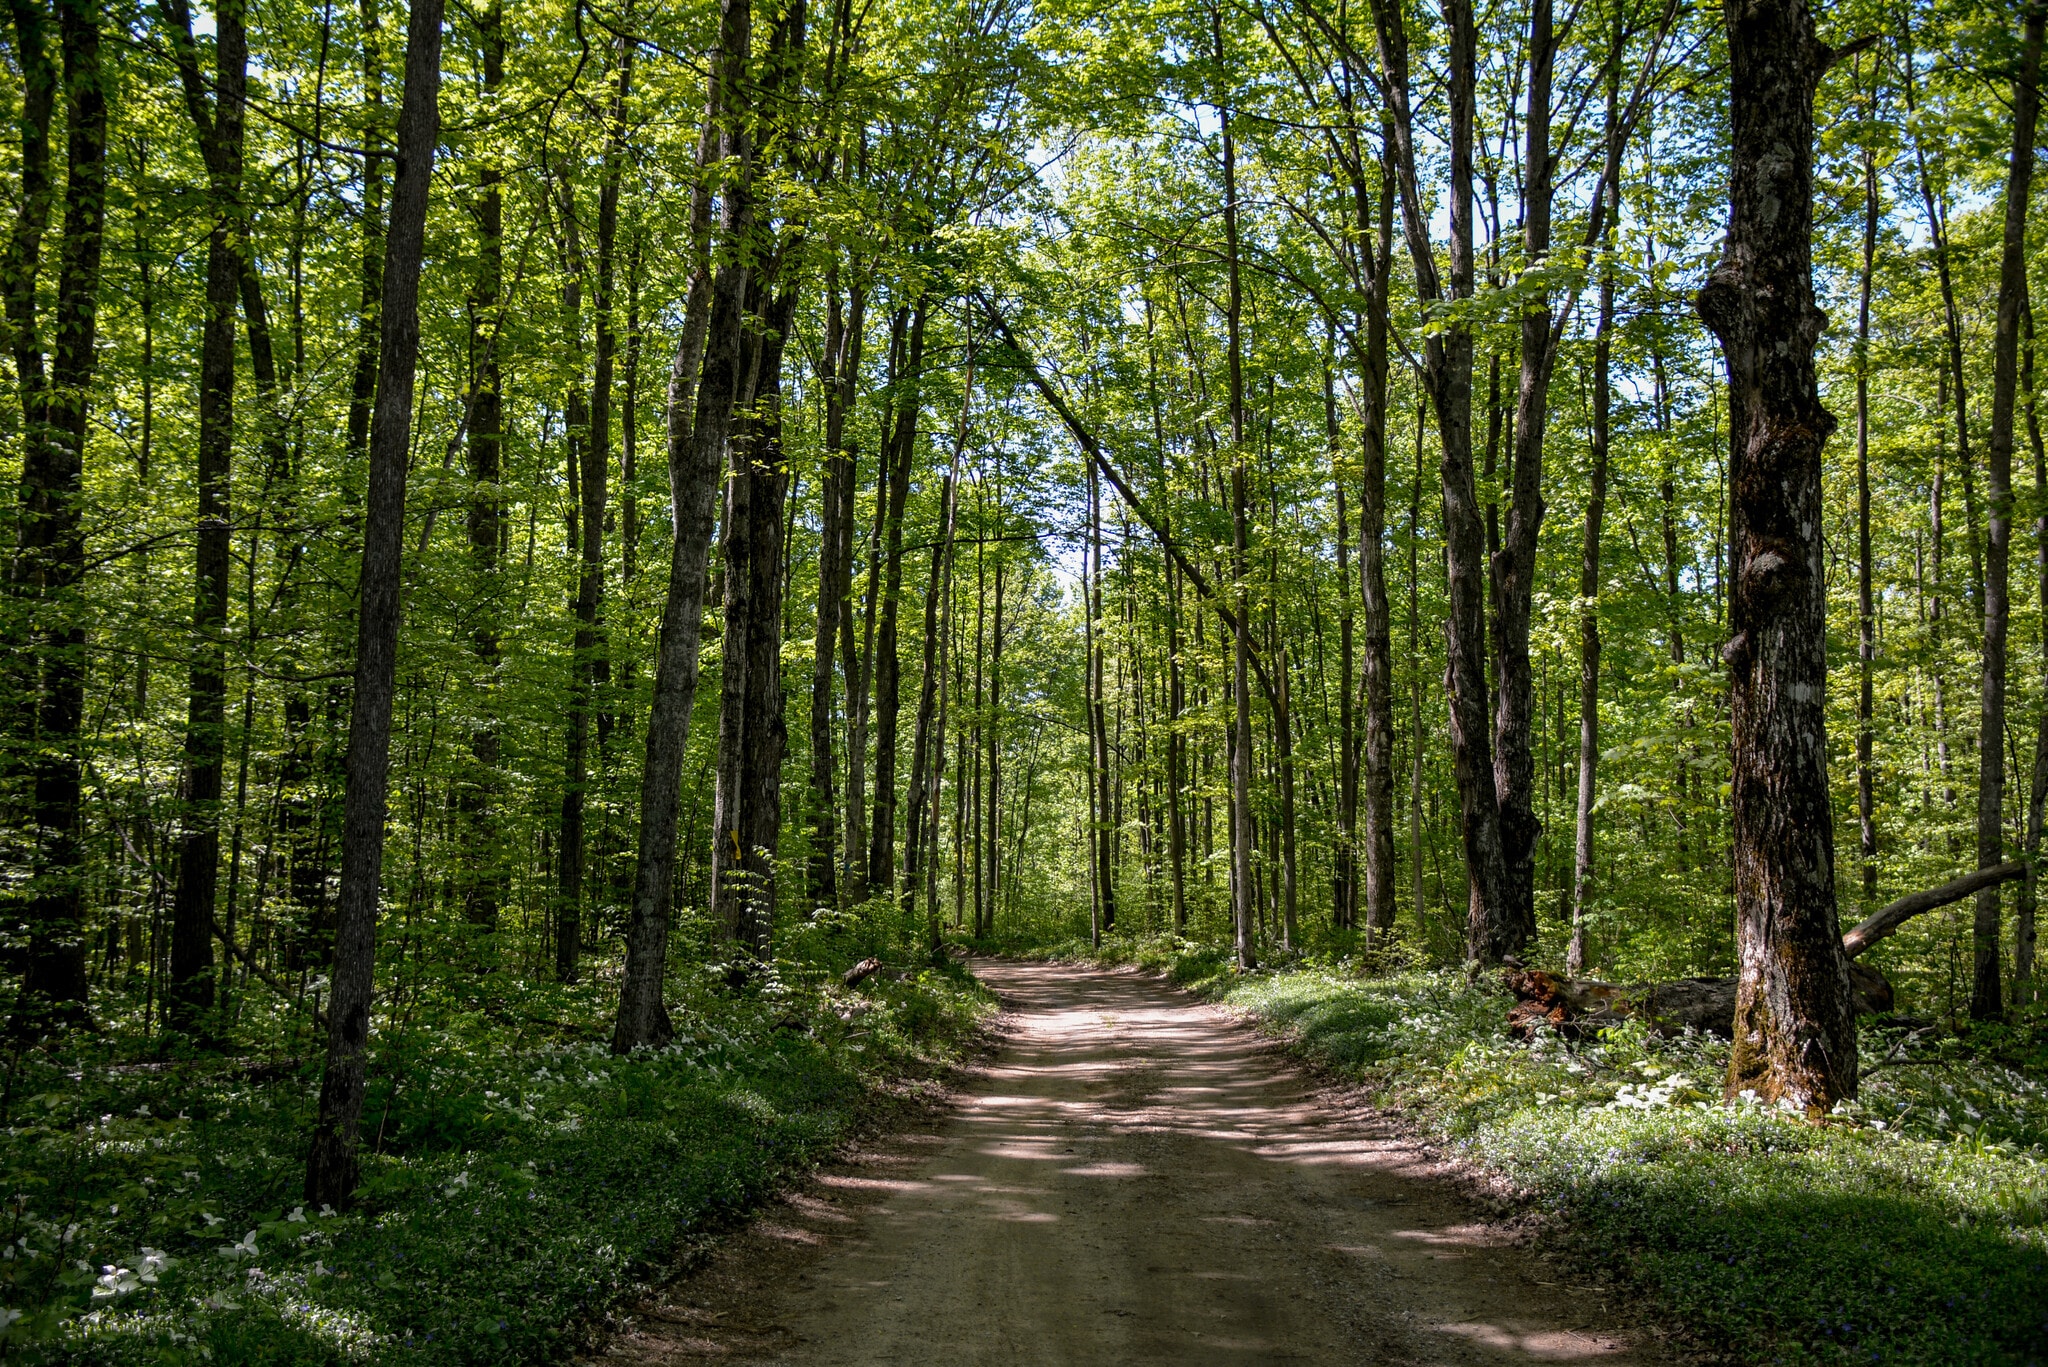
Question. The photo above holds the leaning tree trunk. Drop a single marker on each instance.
(331, 1167)
(1986, 995)
(1795, 1036)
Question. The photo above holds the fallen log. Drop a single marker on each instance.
(861, 972)
(1707, 1005)
(1885, 922)
(1575, 1007)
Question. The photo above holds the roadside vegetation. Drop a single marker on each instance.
(518, 1177)
(1911, 1227)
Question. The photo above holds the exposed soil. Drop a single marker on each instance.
(1131, 1178)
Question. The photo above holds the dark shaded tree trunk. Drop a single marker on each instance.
(1378, 660)
(50, 559)
(1866, 614)
(1492, 927)
(835, 571)
(1986, 989)
(928, 746)
(482, 875)
(1589, 552)
(363, 383)
(1243, 910)
(1514, 568)
(900, 451)
(331, 1167)
(1795, 1035)
(189, 994)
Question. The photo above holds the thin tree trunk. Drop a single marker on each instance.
(1242, 909)
(835, 571)
(2023, 930)
(1866, 627)
(699, 418)
(1795, 1034)
(331, 1167)
(481, 874)
(1345, 857)
(1583, 867)
(927, 751)
(1986, 991)
(888, 667)
(190, 993)
(363, 383)
(1378, 661)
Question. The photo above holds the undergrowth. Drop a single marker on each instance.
(510, 1195)
(1910, 1228)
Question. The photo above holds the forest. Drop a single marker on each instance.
(575, 564)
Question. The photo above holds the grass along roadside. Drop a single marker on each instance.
(1912, 1228)
(510, 1195)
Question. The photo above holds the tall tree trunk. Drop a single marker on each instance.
(1589, 554)
(900, 450)
(699, 418)
(1866, 624)
(1514, 764)
(1242, 909)
(1795, 1035)
(747, 806)
(2023, 931)
(1378, 660)
(1344, 881)
(927, 750)
(1098, 732)
(587, 471)
(835, 571)
(362, 392)
(189, 994)
(1491, 924)
(1986, 990)
(331, 1168)
(51, 553)
(481, 873)
(995, 749)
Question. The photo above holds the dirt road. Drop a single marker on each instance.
(1134, 1178)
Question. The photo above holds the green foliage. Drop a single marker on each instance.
(511, 1196)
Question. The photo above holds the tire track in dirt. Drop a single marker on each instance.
(1131, 1178)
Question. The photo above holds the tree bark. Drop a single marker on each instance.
(1986, 990)
(1583, 867)
(1795, 1036)
(1491, 926)
(331, 1168)
(835, 571)
(900, 451)
(699, 417)
(1243, 911)
(1514, 568)
(481, 875)
(1866, 626)
(363, 383)
(51, 554)
(189, 994)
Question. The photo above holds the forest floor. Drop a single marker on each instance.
(1134, 1177)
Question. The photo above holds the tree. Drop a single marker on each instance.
(331, 1168)
(1795, 1036)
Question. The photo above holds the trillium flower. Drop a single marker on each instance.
(247, 1244)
